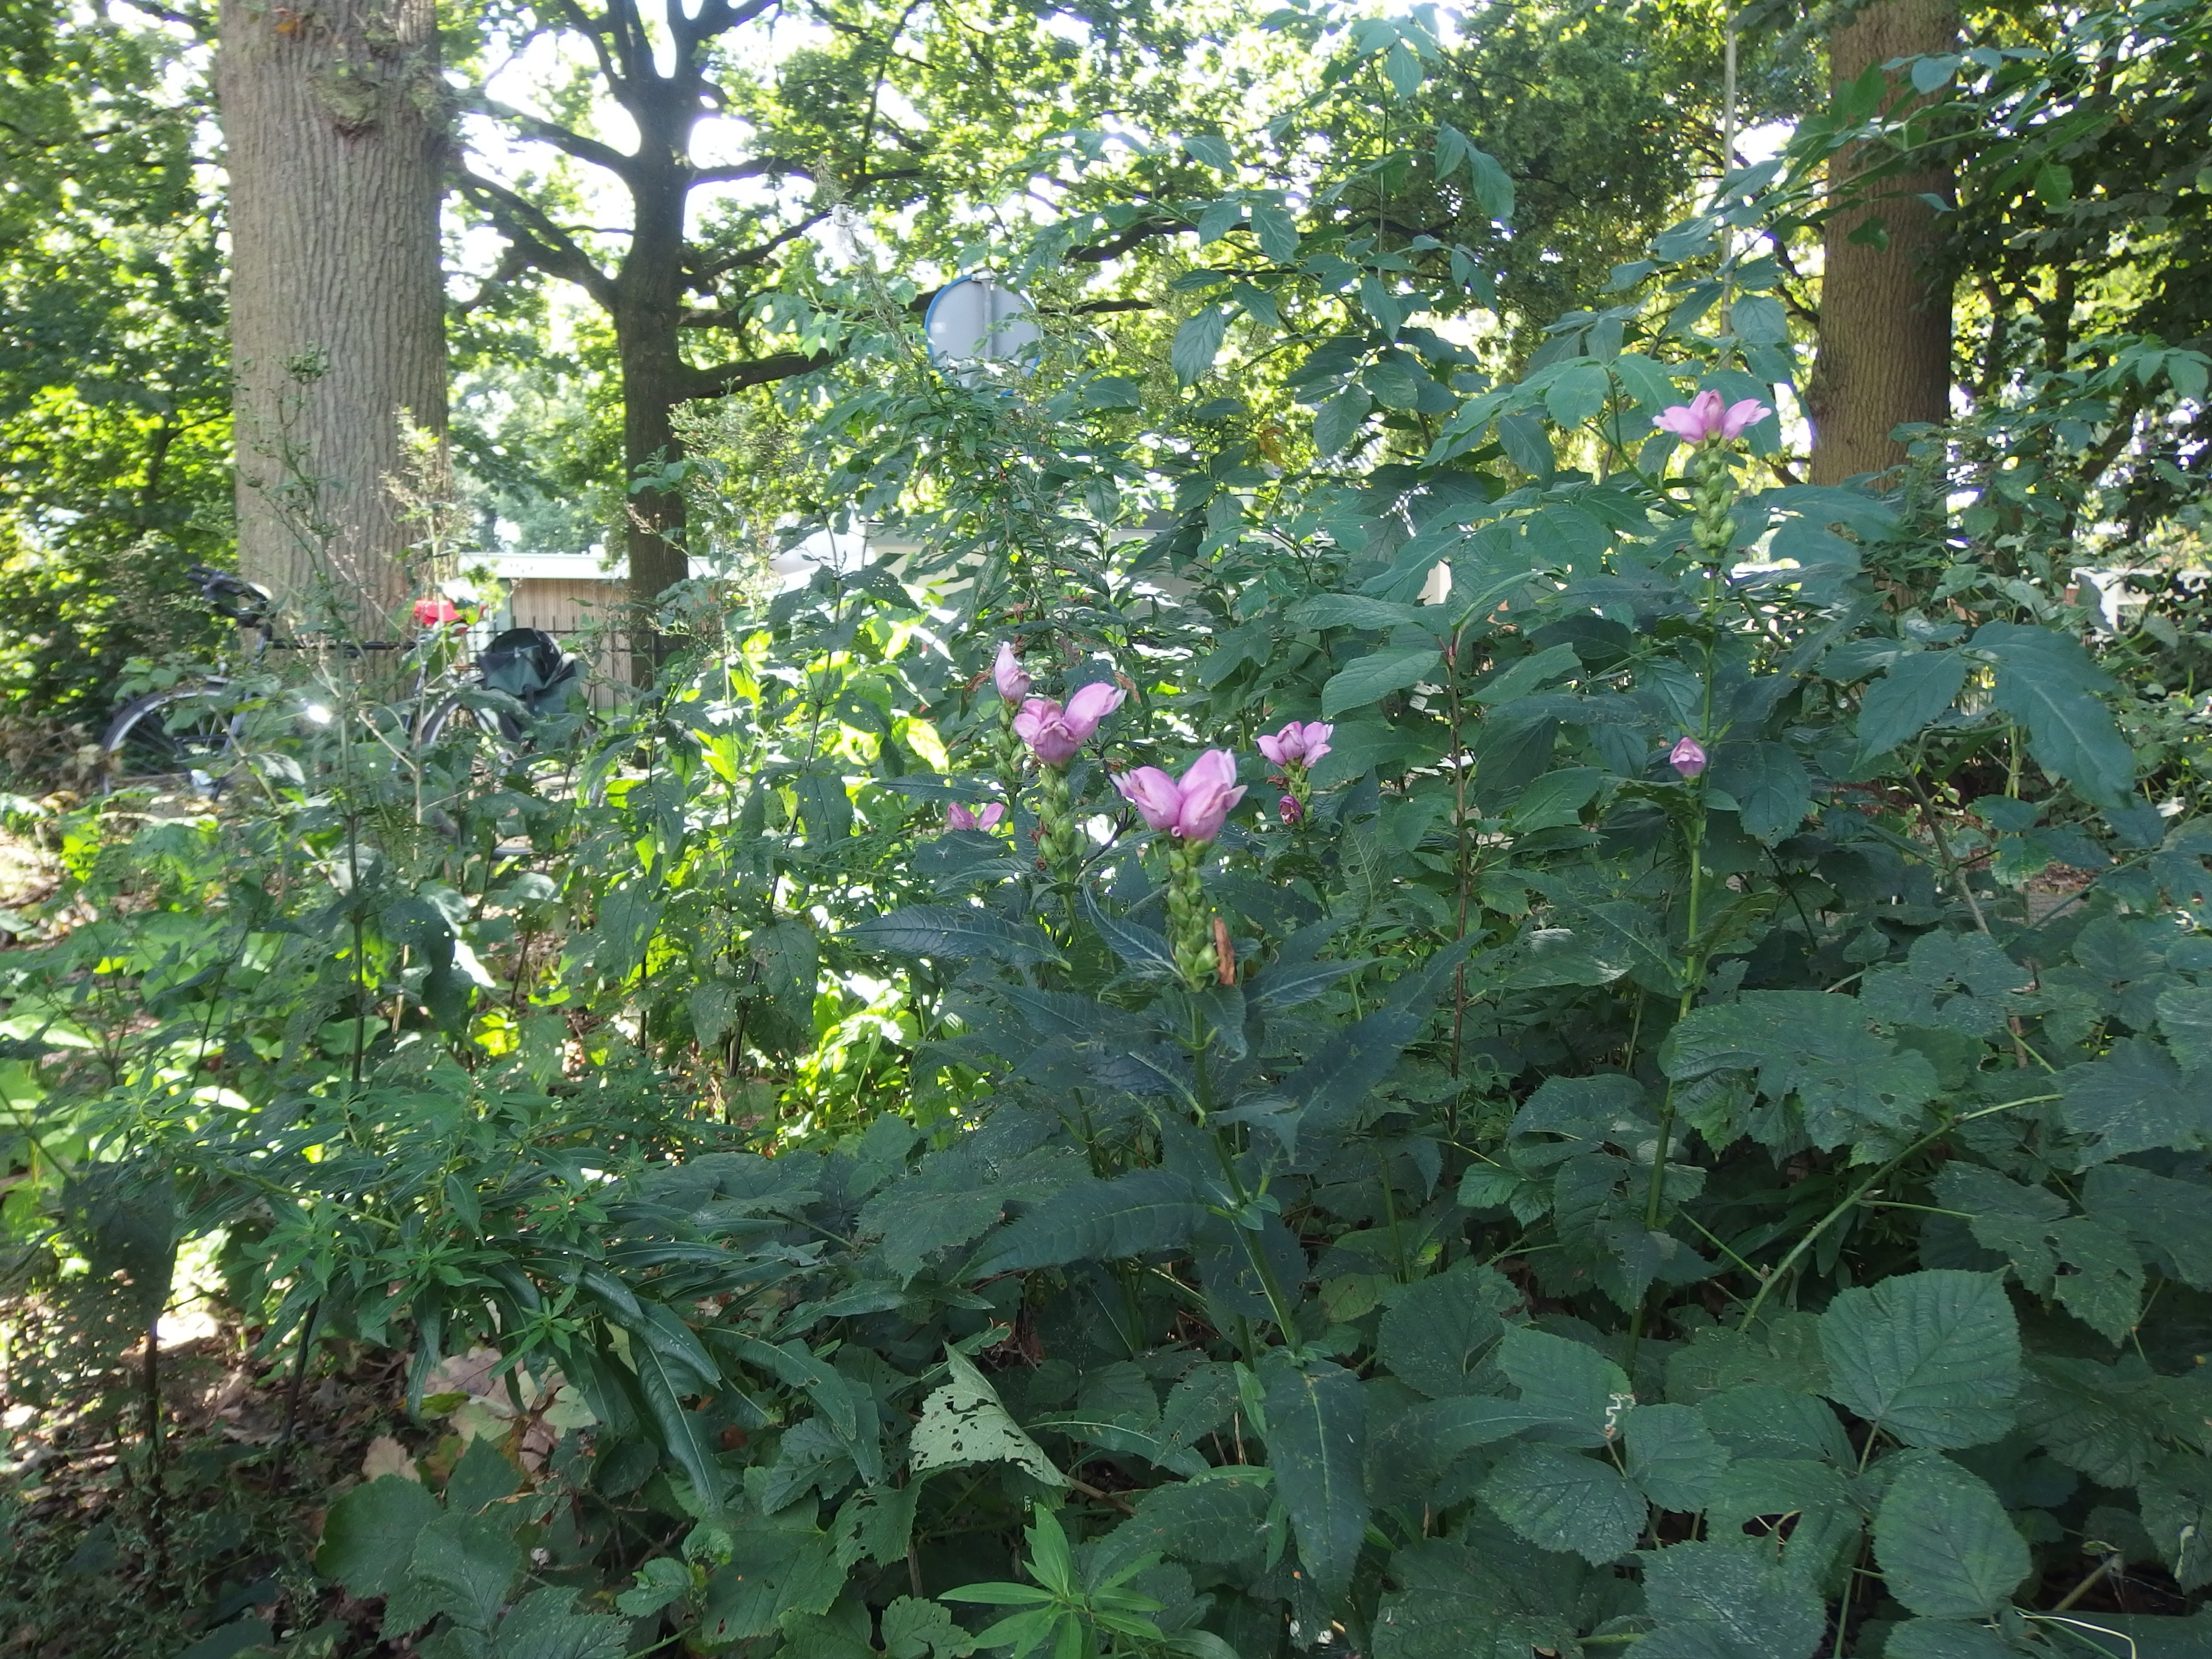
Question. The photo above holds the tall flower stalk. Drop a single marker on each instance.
(1055, 734)
(1190, 813)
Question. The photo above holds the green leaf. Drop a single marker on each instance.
(1452, 146)
(1847, 1081)
(1520, 678)
(2184, 1016)
(1372, 678)
(1561, 1500)
(1403, 69)
(1197, 344)
(2176, 1512)
(915, 1629)
(1943, 1638)
(2137, 1100)
(1276, 232)
(544, 1625)
(1212, 149)
(1316, 1432)
(1556, 800)
(1133, 1214)
(1769, 784)
(779, 1566)
(1729, 1600)
(369, 1534)
(1673, 1457)
(682, 1434)
(1338, 420)
(2105, 1420)
(1945, 1546)
(1574, 1383)
(2171, 1219)
(1352, 610)
(1760, 320)
(1212, 1522)
(963, 1422)
(463, 1566)
(1577, 392)
(1913, 690)
(953, 931)
(1454, 1603)
(482, 1477)
(1216, 223)
(1933, 1358)
(1494, 190)
(2047, 681)
(1439, 1336)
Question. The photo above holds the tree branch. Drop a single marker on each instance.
(761, 371)
(547, 132)
(549, 247)
(1115, 247)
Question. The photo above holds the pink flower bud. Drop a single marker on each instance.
(1291, 811)
(1705, 417)
(1054, 733)
(1297, 746)
(1687, 757)
(1006, 674)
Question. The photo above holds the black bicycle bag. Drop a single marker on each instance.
(529, 664)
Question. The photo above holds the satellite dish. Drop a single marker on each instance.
(977, 320)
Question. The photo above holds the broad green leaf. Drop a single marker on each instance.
(1316, 1432)
(2171, 1219)
(1575, 1384)
(2184, 1017)
(1824, 1524)
(2176, 1498)
(1438, 1336)
(682, 1434)
(1375, 676)
(1338, 419)
(1402, 67)
(481, 1478)
(2135, 1100)
(1452, 146)
(463, 1567)
(1945, 1639)
(1848, 1082)
(915, 1629)
(2047, 681)
(369, 1534)
(779, 1566)
(1217, 221)
(1760, 320)
(1494, 187)
(963, 1422)
(1770, 786)
(1212, 149)
(1276, 232)
(956, 932)
(1133, 1214)
(1212, 1522)
(1914, 690)
(1673, 1457)
(1577, 392)
(1933, 1358)
(1945, 1548)
(1557, 798)
(1197, 344)
(1561, 1500)
(2105, 1420)
(1454, 1603)
(1520, 678)
(1729, 1600)
(544, 1625)
(1352, 610)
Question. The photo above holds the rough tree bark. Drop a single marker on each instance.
(1884, 355)
(336, 148)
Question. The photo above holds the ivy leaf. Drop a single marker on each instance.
(1673, 1457)
(1945, 1548)
(1316, 1432)
(1914, 690)
(963, 1422)
(1197, 344)
(1932, 1356)
(1559, 1500)
(1373, 678)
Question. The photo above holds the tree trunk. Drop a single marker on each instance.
(335, 148)
(1884, 358)
(648, 313)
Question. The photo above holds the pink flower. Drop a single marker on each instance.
(1687, 757)
(1297, 746)
(1006, 674)
(1290, 810)
(435, 613)
(957, 816)
(1054, 733)
(1193, 810)
(1704, 418)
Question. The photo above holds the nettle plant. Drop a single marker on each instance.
(1603, 1151)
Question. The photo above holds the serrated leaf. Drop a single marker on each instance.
(1132, 1214)
(1912, 691)
(956, 932)
(1317, 1435)
(1197, 344)
(1212, 149)
(1210, 1522)
(1276, 232)
(1760, 320)
(1770, 786)
(1337, 420)
(462, 1566)
(1577, 392)
(1440, 1335)
(1945, 1638)
(1729, 1599)
(1933, 1358)
(1945, 1548)
(1218, 220)
(2047, 681)
(2172, 1219)
(963, 1422)
(1493, 188)
(1402, 68)
(1375, 676)
(1673, 1457)
(369, 1534)
(2135, 1100)
(1847, 1081)
(1574, 1383)
(1352, 610)
(1460, 1603)
(544, 1625)
(1561, 1500)
(2184, 1019)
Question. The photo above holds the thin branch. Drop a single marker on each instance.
(562, 138)
(548, 246)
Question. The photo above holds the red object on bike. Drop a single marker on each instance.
(430, 613)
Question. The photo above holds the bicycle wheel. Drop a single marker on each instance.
(183, 732)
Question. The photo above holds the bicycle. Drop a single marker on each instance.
(197, 730)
